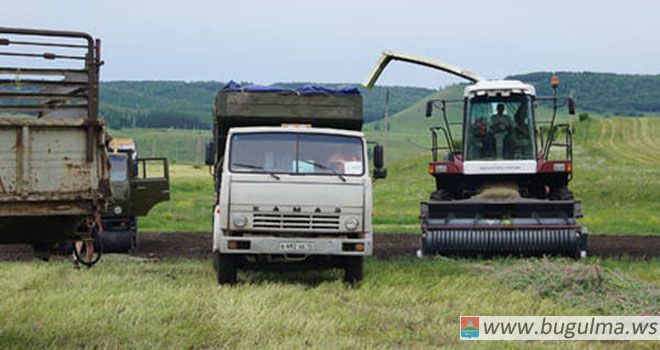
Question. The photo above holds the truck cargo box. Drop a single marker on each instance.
(322, 107)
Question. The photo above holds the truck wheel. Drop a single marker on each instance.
(135, 241)
(561, 193)
(225, 268)
(440, 195)
(353, 269)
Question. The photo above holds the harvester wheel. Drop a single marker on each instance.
(440, 195)
(225, 268)
(561, 193)
(353, 269)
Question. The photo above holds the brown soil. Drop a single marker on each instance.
(197, 245)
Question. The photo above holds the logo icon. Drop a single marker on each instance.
(469, 327)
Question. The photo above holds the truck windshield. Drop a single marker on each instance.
(292, 153)
(499, 128)
(118, 167)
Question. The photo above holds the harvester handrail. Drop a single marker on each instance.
(434, 141)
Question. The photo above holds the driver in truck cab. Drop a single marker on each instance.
(345, 161)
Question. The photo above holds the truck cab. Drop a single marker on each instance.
(293, 193)
(137, 185)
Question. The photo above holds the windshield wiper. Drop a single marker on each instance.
(324, 167)
(258, 167)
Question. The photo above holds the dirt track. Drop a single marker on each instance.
(197, 245)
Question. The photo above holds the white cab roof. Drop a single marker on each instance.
(296, 129)
(495, 87)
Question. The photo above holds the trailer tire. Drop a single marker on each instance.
(353, 269)
(225, 268)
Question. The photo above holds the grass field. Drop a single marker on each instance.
(126, 302)
(178, 146)
(617, 177)
(402, 303)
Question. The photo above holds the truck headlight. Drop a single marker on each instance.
(240, 220)
(352, 223)
(117, 210)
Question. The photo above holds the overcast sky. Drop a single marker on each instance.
(339, 41)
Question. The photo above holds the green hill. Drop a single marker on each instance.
(605, 93)
(187, 105)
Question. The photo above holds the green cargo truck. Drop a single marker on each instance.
(138, 184)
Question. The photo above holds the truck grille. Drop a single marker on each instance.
(296, 221)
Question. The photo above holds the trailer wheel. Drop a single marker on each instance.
(42, 251)
(353, 269)
(225, 268)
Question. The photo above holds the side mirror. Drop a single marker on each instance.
(429, 109)
(379, 163)
(209, 153)
(571, 106)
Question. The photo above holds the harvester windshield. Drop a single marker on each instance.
(499, 128)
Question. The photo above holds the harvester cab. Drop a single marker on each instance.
(137, 185)
(502, 179)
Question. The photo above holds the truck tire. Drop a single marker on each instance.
(353, 269)
(561, 193)
(225, 268)
(135, 241)
(440, 195)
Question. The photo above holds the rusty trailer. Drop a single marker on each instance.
(54, 170)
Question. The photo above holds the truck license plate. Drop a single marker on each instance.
(295, 246)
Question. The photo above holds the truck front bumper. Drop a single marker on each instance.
(294, 245)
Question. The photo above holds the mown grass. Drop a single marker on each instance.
(616, 171)
(617, 174)
(402, 303)
(585, 285)
(617, 178)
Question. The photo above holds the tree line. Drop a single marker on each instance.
(603, 93)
